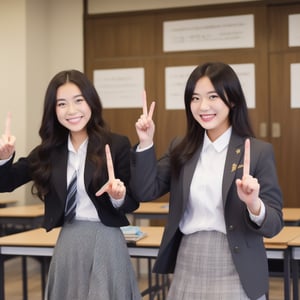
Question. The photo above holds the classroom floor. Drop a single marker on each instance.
(13, 281)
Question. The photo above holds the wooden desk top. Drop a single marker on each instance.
(291, 214)
(152, 208)
(4, 202)
(153, 238)
(295, 241)
(35, 237)
(24, 211)
(282, 239)
(40, 238)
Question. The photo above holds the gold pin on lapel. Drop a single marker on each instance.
(233, 167)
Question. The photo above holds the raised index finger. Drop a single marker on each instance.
(109, 162)
(7, 131)
(247, 158)
(145, 109)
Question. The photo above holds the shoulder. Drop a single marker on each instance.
(256, 144)
(119, 138)
(260, 145)
(119, 143)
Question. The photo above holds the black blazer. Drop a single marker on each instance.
(151, 179)
(13, 175)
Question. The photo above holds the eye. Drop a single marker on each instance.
(60, 103)
(195, 98)
(79, 100)
(213, 97)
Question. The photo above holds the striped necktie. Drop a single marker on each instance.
(71, 199)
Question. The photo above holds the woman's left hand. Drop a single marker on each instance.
(114, 187)
(7, 141)
(248, 187)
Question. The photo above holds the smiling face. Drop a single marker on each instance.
(72, 110)
(209, 110)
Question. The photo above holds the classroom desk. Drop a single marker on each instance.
(6, 202)
(151, 210)
(278, 247)
(295, 258)
(291, 216)
(38, 242)
(27, 216)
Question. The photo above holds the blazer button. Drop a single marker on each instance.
(236, 249)
(230, 227)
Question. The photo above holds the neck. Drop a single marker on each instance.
(77, 138)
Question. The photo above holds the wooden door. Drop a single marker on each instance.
(285, 121)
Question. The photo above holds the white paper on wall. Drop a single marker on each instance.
(209, 33)
(246, 75)
(294, 32)
(120, 88)
(295, 86)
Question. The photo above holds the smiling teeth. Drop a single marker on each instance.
(74, 120)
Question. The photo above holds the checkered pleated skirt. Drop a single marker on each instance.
(91, 262)
(205, 270)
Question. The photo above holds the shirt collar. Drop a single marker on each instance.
(82, 147)
(220, 143)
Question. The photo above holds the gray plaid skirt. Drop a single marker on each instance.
(91, 262)
(205, 270)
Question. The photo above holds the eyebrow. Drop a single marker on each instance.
(74, 97)
(210, 92)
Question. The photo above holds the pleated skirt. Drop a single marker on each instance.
(91, 262)
(205, 270)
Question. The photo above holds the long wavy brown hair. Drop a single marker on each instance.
(54, 135)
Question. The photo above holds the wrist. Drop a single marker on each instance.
(255, 208)
(145, 144)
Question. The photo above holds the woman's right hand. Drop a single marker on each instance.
(145, 126)
(7, 141)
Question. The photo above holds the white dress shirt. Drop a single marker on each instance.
(85, 209)
(205, 211)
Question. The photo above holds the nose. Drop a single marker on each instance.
(204, 104)
(71, 108)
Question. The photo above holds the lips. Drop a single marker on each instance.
(207, 118)
(74, 120)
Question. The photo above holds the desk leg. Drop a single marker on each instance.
(150, 278)
(295, 271)
(2, 281)
(157, 285)
(287, 274)
(45, 261)
(24, 274)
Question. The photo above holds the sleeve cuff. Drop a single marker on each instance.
(138, 149)
(260, 218)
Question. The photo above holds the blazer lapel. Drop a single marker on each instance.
(59, 171)
(88, 173)
(234, 161)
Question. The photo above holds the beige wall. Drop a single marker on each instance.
(12, 72)
(38, 39)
